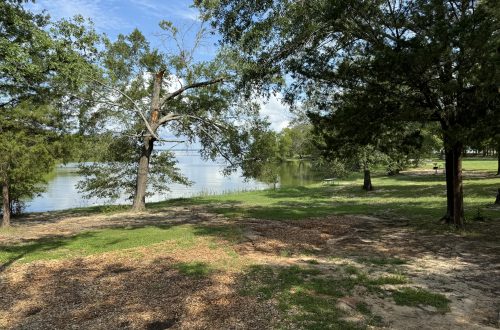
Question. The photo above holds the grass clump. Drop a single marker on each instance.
(194, 269)
(418, 296)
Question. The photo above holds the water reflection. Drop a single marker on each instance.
(61, 191)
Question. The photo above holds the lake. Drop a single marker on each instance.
(61, 192)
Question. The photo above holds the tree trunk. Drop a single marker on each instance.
(497, 201)
(147, 148)
(448, 217)
(142, 175)
(367, 182)
(458, 201)
(498, 160)
(5, 204)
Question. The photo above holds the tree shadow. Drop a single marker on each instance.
(110, 292)
(106, 294)
(15, 252)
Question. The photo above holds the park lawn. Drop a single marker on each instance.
(420, 198)
(255, 257)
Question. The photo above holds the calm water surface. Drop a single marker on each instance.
(61, 192)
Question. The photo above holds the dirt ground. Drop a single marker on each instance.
(115, 290)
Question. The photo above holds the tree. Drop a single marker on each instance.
(342, 134)
(416, 61)
(40, 63)
(296, 140)
(144, 93)
(268, 171)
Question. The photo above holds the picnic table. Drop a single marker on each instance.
(329, 181)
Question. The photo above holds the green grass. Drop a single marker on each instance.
(416, 297)
(194, 269)
(95, 242)
(419, 199)
(309, 296)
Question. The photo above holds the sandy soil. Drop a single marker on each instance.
(119, 291)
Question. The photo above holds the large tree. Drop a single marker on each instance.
(41, 62)
(143, 94)
(415, 61)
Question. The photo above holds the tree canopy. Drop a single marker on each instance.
(41, 64)
(405, 61)
(143, 94)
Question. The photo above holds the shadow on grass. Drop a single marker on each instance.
(299, 192)
(11, 253)
(91, 242)
(55, 216)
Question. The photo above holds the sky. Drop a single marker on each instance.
(122, 16)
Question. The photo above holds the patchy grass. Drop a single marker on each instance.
(308, 295)
(195, 269)
(306, 292)
(97, 241)
(307, 298)
(416, 297)
(419, 199)
(382, 261)
(371, 319)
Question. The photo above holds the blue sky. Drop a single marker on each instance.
(122, 16)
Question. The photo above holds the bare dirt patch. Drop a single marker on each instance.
(464, 269)
(110, 291)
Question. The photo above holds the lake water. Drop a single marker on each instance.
(61, 192)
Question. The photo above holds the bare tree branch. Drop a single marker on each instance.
(181, 90)
(136, 107)
(167, 118)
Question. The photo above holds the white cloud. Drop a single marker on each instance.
(101, 12)
(278, 114)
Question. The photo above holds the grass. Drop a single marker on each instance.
(101, 241)
(306, 295)
(382, 261)
(419, 199)
(194, 269)
(309, 297)
(416, 297)
(306, 298)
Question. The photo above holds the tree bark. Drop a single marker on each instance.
(142, 175)
(5, 204)
(448, 217)
(458, 201)
(367, 182)
(498, 160)
(147, 148)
